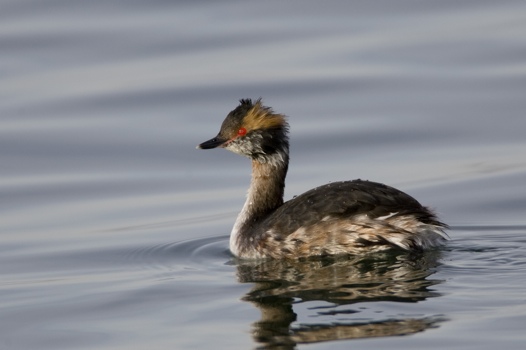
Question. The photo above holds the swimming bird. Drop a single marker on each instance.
(348, 217)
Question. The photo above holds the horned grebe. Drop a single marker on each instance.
(349, 217)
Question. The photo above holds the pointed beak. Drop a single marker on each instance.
(212, 143)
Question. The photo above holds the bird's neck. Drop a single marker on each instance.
(265, 193)
(266, 187)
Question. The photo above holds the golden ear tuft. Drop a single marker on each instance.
(262, 117)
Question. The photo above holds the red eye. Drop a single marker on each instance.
(242, 132)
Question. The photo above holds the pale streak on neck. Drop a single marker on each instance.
(264, 196)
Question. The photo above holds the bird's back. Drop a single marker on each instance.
(348, 217)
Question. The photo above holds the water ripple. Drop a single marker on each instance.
(194, 254)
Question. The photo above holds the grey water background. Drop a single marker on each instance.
(114, 228)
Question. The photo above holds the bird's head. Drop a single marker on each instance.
(252, 130)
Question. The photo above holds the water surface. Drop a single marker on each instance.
(114, 228)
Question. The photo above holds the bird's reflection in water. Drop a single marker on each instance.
(337, 283)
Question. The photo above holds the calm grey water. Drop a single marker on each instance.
(114, 228)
